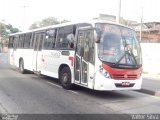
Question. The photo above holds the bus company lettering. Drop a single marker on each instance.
(55, 55)
(52, 55)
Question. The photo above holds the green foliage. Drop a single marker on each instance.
(49, 21)
(5, 30)
(64, 21)
(34, 25)
(12, 29)
(46, 22)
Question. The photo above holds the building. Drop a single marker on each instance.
(150, 31)
(112, 18)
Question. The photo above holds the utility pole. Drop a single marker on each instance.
(24, 8)
(118, 18)
(25, 14)
(141, 25)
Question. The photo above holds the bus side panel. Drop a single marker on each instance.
(17, 55)
(91, 76)
(67, 60)
(27, 55)
(11, 57)
(52, 60)
(47, 63)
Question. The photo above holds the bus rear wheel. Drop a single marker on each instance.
(21, 66)
(65, 78)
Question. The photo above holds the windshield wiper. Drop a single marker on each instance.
(128, 51)
(131, 55)
(120, 59)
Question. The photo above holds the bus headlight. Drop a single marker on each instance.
(104, 72)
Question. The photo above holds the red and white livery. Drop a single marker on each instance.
(95, 54)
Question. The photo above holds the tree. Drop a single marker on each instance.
(64, 21)
(34, 25)
(49, 21)
(46, 22)
(5, 30)
(12, 29)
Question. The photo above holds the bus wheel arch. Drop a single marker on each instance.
(21, 65)
(65, 76)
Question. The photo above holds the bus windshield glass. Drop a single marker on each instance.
(118, 45)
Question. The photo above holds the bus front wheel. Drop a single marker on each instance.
(65, 78)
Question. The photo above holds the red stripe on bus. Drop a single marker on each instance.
(123, 73)
(42, 59)
(72, 60)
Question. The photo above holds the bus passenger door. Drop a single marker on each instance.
(37, 53)
(83, 67)
(13, 62)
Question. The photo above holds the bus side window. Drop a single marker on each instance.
(21, 41)
(86, 46)
(50, 38)
(70, 38)
(65, 38)
(91, 46)
(36, 38)
(10, 45)
(15, 41)
(17, 38)
(80, 47)
(32, 40)
(41, 38)
(27, 40)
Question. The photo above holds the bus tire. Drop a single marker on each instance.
(21, 66)
(65, 78)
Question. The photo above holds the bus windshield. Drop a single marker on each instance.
(118, 45)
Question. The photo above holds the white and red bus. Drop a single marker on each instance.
(96, 54)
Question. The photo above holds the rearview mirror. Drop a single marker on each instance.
(98, 34)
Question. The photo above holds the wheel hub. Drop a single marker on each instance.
(65, 77)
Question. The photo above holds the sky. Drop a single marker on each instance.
(22, 13)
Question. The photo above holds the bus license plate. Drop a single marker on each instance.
(125, 83)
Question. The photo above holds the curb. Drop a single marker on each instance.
(150, 92)
(153, 78)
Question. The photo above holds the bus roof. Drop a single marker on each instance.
(92, 22)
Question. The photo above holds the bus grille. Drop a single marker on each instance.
(124, 77)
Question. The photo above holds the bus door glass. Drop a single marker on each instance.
(15, 46)
(82, 57)
(37, 47)
(11, 49)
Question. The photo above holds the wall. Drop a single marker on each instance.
(151, 57)
(5, 49)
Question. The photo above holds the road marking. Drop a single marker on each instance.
(54, 84)
(73, 92)
(61, 87)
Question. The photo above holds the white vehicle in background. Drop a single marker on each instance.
(97, 54)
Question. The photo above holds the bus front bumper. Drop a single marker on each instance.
(108, 84)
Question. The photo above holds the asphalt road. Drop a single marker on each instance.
(33, 94)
